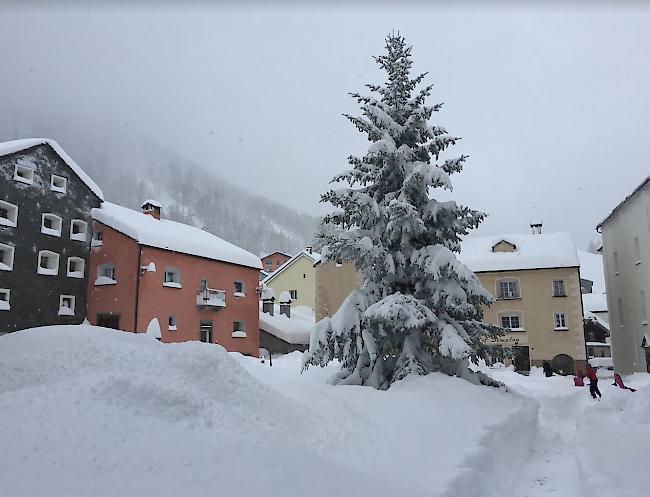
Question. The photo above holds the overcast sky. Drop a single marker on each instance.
(553, 105)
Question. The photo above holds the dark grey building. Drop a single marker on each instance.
(45, 224)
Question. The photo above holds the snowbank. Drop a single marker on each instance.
(170, 235)
(98, 412)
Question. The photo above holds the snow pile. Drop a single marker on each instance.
(100, 412)
(170, 235)
(11, 147)
(548, 250)
(297, 329)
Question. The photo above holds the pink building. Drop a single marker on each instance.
(196, 285)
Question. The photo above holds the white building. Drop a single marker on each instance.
(626, 251)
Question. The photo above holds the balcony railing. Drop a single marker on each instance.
(209, 297)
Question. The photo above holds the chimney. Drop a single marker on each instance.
(536, 227)
(152, 208)
(309, 249)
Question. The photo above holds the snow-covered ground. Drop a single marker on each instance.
(89, 411)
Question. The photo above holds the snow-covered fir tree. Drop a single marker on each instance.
(419, 309)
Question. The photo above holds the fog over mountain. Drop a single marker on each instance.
(131, 168)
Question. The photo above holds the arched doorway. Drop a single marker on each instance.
(563, 364)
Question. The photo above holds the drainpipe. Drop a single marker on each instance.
(137, 290)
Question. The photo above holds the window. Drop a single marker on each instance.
(171, 323)
(58, 184)
(4, 299)
(560, 321)
(511, 321)
(293, 294)
(620, 312)
(66, 305)
(644, 309)
(48, 263)
(97, 239)
(172, 278)
(24, 174)
(106, 274)
(304, 276)
(8, 214)
(637, 251)
(51, 224)
(76, 267)
(616, 272)
(558, 288)
(239, 289)
(508, 289)
(78, 230)
(238, 329)
(6, 257)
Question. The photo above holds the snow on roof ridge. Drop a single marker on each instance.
(622, 202)
(13, 146)
(150, 201)
(171, 235)
(314, 256)
(276, 252)
(534, 251)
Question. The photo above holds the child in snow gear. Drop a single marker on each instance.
(548, 370)
(618, 381)
(578, 379)
(593, 382)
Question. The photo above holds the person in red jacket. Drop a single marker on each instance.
(593, 381)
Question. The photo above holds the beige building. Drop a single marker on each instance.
(535, 280)
(296, 276)
(626, 252)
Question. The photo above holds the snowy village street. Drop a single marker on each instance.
(110, 413)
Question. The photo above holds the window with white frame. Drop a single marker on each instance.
(8, 214)
(558, 288)
(24, 174)
(51, 224)
(171, 323)
(293, 294)
(239, 289)
(238, 329)
(508, 289)
(511, 321)
(106, 274)
(58, 184)
(78, 230)
(561, 321)
(6, 257)
(97, 239)
(637, 251)
(76, 267)
(48, 263)
(4, 299)
(66, 305)
(172, 277)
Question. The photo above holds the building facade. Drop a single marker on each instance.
(273, 261)
(535, 280)
(626, 252)
(196, 285)
(45, 205)
(298, 277)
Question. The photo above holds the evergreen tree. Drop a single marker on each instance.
(419, 309)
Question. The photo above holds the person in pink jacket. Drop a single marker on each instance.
(593, 382)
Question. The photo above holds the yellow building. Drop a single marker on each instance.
(296, 276)
(535, 280)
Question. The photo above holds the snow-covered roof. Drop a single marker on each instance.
(170, 235)
(297, 329)
(634, 192)
(594, 302)
(154, 203)
(592, 317)
(312, 256)
(276, 252)
(285, 297)
(591, 268)
(11, 147)
(546, 250)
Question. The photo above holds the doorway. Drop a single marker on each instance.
(109, 321)
(521, 358)
(205, 331)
